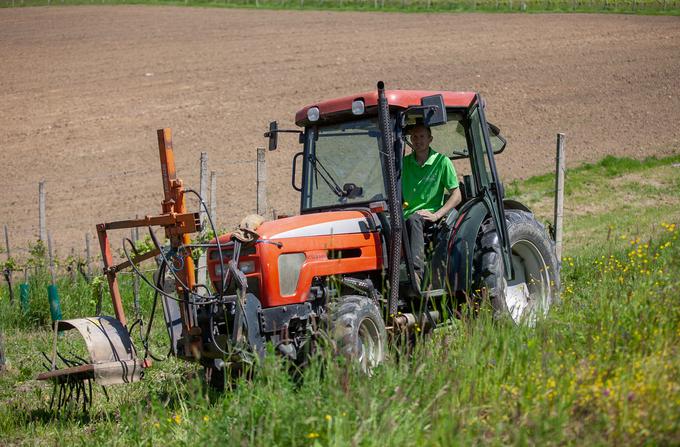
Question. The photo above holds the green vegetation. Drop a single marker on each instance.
(665, 7)
(602, 368)
(616, 198)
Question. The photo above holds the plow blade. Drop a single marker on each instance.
(113, 359)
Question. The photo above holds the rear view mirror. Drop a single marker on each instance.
(273, 135)
(434, 113)
(498, 143)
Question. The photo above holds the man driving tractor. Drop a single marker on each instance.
(427, 177)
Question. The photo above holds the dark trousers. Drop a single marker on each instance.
(415, 225)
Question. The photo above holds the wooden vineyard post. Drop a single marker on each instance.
(261, 182)
(213, 197)
(7, 271)
(41, 211)
(100, 296)
(134, 235)
(74, 266)
(559, 195)
(2, 352)
(88, 257)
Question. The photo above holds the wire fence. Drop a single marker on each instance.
(96, 179)
(25, 256)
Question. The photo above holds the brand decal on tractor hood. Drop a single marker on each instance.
(345, 226)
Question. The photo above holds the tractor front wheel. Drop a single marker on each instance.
(358, 330)
(535, 285)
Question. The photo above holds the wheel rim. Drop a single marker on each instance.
(528, 295)
(370, 345)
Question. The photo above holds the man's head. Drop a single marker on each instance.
(421, 137)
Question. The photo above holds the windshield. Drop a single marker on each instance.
(343, 165)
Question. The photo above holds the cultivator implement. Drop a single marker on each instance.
(113, 358)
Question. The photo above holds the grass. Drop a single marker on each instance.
(614, 198)
(601, 368)
(650, 7)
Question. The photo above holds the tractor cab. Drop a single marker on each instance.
(344, 165)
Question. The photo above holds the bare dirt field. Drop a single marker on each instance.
(83, 89)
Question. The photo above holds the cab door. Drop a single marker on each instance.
(486, 178)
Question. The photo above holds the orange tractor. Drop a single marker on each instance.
(343, 265)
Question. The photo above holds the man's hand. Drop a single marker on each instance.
(428, 215)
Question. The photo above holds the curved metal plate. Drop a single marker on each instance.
(106, 338)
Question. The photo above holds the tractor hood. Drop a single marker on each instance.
(310, 225)
(289, 253)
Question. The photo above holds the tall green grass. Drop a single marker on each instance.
(601, 368)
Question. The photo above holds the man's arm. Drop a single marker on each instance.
(453, 200)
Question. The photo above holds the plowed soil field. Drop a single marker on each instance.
(83, 90)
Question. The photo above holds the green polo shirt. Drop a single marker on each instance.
(423, 187)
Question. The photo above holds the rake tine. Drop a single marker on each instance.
(70, 393)
(89, 384)
(81, 391)
(76, 386)
(80, 359)
(54, 393)
(46, 357)
(66, 361)
(60, 399)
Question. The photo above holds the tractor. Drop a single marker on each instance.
(342, 267)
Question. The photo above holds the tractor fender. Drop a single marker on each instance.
(462, 244)
(510, 204)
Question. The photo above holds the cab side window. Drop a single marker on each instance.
(449, 139)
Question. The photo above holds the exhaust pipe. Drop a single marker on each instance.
(393, 199)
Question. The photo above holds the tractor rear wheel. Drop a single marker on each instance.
(536, 283)
(358, 330)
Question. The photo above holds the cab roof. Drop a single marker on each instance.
(395, 98)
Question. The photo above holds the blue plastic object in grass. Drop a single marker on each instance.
(55, 304)
(23, 296)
